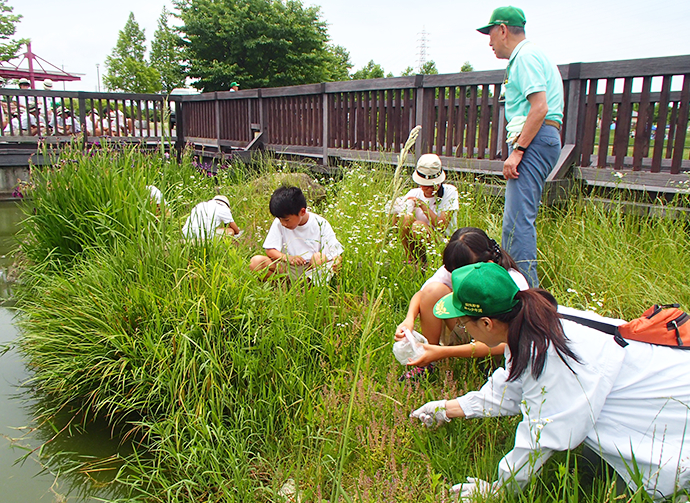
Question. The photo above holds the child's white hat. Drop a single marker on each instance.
(429, 170)
(223, 199)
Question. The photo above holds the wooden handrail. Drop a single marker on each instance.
(460, 114)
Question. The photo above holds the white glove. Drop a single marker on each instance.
(432, 413)
(474, 488)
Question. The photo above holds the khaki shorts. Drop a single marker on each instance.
(320, 275)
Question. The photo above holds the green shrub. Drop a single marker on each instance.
(230, 386)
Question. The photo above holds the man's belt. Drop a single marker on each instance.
(555, 124)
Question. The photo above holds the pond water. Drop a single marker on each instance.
(49, 476)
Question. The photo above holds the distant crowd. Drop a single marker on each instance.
(36, 116)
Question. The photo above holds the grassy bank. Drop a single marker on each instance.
(229, 387)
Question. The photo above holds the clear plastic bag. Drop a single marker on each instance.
(401, 206)
(410, 348)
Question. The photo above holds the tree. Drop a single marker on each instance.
(127, 69)
(258, 43)
(167, 55)
(8, 21)
(370, 71)
(340, 64)
(407, 72)
(467, 67)
(429, 68)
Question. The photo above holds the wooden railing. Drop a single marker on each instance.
(28, 116)
(461, 117)
(655, 136)
(622, 114)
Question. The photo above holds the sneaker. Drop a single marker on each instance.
(416, 373)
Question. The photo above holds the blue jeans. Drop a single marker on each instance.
(523, 196)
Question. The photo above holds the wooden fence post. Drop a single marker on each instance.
(217, 108)
(251, 120)
(263, 125)
(179, 128)
(82, 118)
(420, 144)
(573, 112)
(325, 132)
(681, 126)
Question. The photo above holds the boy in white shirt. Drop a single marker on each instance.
(207, 216)
(299, 242)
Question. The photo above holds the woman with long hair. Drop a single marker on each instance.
(467, 245)
(572, 384)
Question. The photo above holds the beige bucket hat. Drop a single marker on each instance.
(429, 170)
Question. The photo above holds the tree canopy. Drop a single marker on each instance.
(370, 71)
(429, 68)
(258, 43)
(167, 55)
(407, 72)
(8, 26)
(340, 64)
(127, 69)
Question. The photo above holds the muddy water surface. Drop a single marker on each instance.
(46, 474)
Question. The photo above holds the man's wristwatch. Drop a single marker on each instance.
(520, 148)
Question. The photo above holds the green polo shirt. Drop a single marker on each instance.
(529, 71)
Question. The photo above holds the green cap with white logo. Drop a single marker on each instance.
(509, 16)
(481, 289)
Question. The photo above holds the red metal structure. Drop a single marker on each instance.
(45, 70)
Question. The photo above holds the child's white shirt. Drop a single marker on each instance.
(205, 218)
(316, 235)
(449, 202)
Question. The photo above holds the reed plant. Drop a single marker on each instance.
(225, 387)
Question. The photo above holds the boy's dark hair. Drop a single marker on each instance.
(287, 200)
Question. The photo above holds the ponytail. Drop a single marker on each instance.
(502, 257)
(533, 326)
(496, 250)
(440, 191)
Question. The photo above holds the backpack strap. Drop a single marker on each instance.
(597, 325)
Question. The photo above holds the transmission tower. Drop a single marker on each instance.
(421, 48)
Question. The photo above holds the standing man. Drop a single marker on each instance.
(534, 112)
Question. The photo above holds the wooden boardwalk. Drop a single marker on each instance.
(612, 113)
(629, 179)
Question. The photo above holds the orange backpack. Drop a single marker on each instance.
(663, 325)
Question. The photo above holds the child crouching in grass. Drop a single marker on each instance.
(467, 245)
(207, 217)
(299, 243)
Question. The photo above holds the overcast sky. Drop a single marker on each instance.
(78, 35)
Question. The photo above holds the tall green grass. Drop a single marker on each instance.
(227, 387)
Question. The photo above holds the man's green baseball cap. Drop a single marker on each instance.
(481, 289)
(509, 16)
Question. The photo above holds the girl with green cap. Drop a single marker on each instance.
(467, 245)
(572, 384)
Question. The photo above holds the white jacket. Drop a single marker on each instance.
(624, 403)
